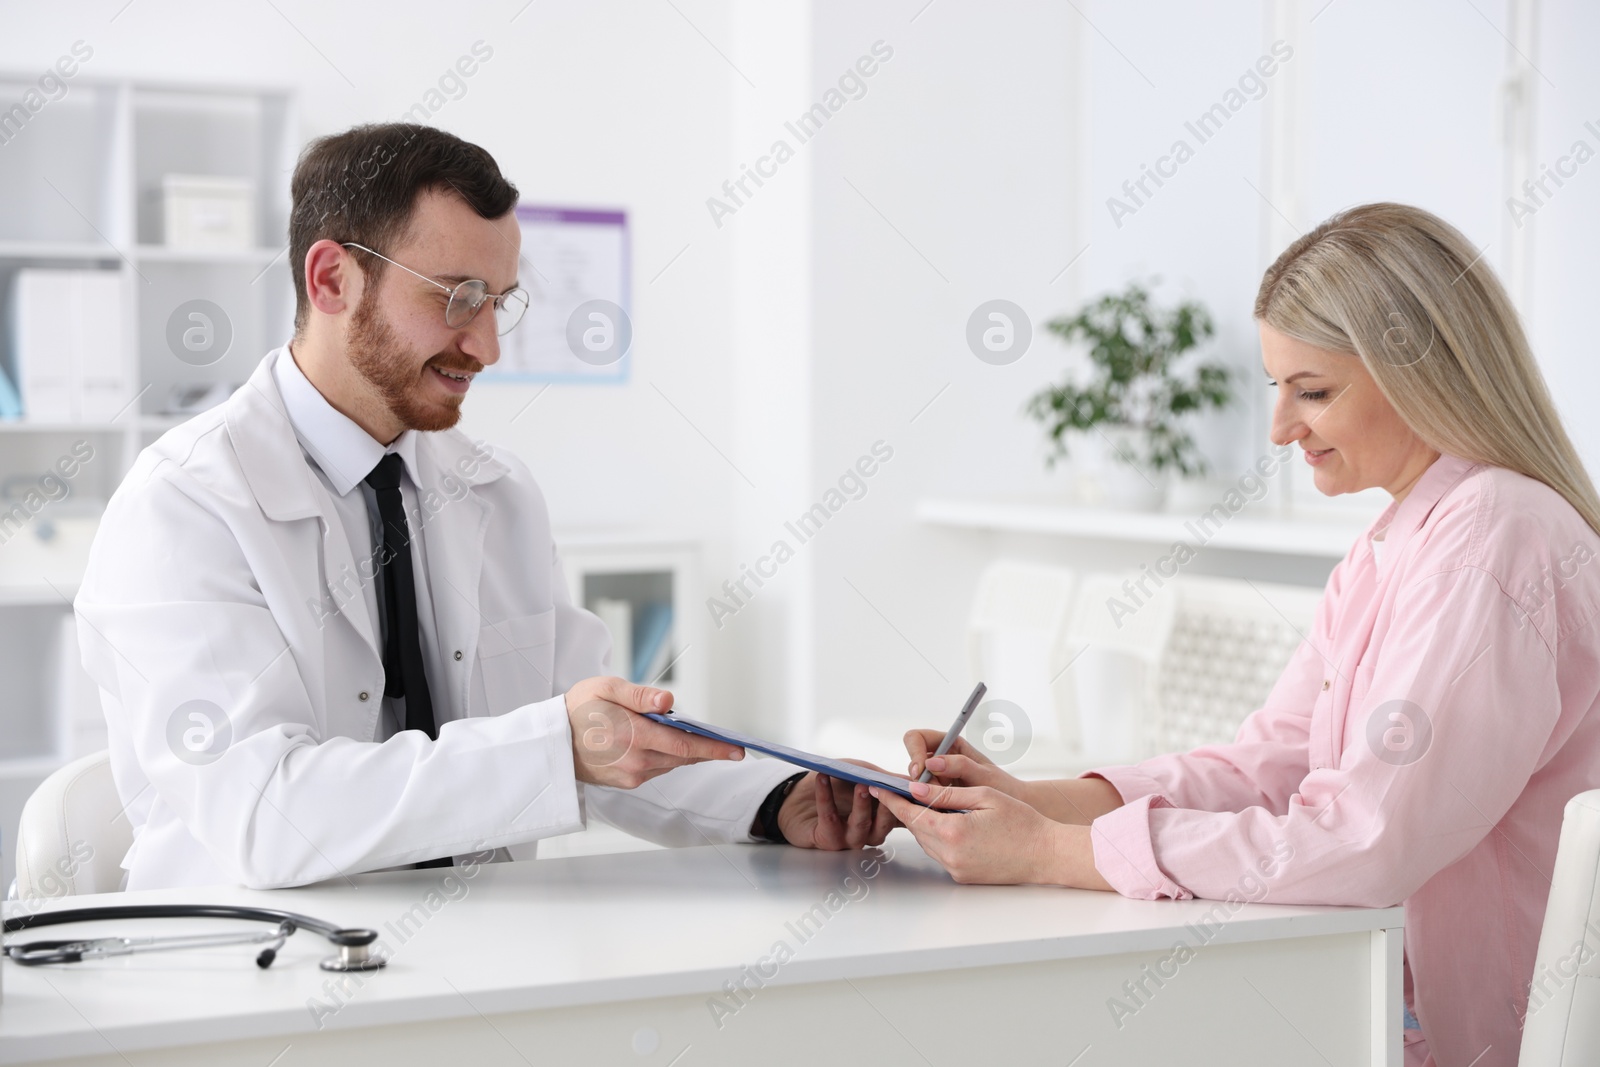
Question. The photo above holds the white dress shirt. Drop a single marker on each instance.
(342, 454)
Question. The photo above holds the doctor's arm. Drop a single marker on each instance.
(723, 799)
(185, 629)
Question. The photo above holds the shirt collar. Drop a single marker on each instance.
(1400, 521)
(336, 443)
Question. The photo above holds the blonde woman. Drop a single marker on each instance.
(1421, 743)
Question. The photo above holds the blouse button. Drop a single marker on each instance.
(1324, 686)
(458, 653)
(364, 694)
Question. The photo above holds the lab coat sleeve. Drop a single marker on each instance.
(704, 803)
(173, 625)
(1371, 829)
(1264, 764)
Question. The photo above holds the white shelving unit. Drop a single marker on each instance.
(1316, 537)
(81, 182)
(642, 569)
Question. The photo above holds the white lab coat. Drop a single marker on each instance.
(220, 574)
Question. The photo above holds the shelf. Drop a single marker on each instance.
(30, 767)
(56, 250)
(1317, 537)
(33, 596)
(164, 254)
(24, 426)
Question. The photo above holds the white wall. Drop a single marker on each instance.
(830, 312)
(624, 104)
(966, 148)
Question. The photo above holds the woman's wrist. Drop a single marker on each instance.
(1074, 801)
(1074, 859)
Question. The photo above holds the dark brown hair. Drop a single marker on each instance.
(362, 185)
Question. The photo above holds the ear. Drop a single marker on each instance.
(333, 280)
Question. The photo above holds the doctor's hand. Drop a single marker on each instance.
(614, 744)
(823, 812)
(998, 840)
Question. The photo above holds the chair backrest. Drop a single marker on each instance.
(1229, 642)
(1113, 641)
(73, 833)
(1015, 638)
(1562, 1027)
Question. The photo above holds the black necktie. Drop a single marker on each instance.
(403, 672)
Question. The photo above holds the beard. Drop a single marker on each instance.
(377, 354)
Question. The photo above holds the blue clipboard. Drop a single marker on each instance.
(833, 768)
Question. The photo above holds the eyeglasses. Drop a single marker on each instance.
(468, 298)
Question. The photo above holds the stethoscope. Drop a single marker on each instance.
(354, 943)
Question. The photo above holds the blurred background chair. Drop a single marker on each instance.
(1229, 641)
(1562, 1027)
(73, 834)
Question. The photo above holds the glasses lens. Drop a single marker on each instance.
(464, 303)
(508, 312)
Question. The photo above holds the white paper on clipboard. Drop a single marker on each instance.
(574, 264)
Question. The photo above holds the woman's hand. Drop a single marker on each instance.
(1078, 801)
(999, 840)
(963, 765)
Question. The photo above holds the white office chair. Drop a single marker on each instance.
(1017, 643)
(1562, 1028)
(1172, 668)
(1229, 641)
(73, 833)
(1110, 689)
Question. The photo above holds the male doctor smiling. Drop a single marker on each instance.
(331, 631)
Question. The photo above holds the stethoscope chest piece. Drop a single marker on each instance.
(354, 958)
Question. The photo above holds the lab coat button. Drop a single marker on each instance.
(458, 653)
(364, 694)
(1324, 687)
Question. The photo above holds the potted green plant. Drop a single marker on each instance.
(1137, 398)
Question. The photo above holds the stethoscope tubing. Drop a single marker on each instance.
(343, 937)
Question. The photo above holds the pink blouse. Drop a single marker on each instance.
(1418, 748)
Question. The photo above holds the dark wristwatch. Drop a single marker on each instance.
(767, 815)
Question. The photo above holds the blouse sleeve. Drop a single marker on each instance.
(1269, 756)
(1433, 755)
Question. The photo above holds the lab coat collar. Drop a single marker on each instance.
(259, 426)
(1400, 521)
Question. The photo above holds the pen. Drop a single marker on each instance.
(956, 727)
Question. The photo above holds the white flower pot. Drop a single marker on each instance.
(1123, 484)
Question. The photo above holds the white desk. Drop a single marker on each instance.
(621, 959)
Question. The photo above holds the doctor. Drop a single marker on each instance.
(331, 631)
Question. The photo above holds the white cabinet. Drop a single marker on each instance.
(640, 586)
(82, 180)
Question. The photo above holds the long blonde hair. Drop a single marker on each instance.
(1407, 292)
